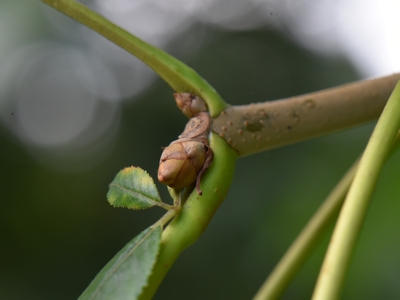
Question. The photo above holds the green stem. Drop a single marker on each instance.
(351, 218)
(295, 257)
(166, 217)
(301, 248)
(196, 214)
(178, 75)
(165, 206)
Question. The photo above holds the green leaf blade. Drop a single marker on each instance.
(133, 188)
(127, 273)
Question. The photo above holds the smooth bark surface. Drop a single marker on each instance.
(258, 127)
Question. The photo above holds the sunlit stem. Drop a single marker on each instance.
(348, 227)
(305, 243)
(302, 247)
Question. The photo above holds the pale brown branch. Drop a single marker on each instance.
(262, 126)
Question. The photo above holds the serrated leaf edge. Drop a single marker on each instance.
(143, 197)
(149, 177)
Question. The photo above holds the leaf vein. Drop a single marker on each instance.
(136, 193)
(124, 257)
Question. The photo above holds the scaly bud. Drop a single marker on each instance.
(190, 104)
(185, 160)
(181, 162)
(198, 127)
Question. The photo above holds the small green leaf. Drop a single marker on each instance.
(127, 273)
(133, 188)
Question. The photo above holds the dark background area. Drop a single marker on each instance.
(58, 230)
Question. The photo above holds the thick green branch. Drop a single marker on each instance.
(258, 127)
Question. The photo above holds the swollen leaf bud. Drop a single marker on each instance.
(185, 160)
(181, 162)
(189, 104)
(197, 127)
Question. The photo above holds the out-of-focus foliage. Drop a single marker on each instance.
(58, 230)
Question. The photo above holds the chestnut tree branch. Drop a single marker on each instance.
(262, 126)
(258, 127)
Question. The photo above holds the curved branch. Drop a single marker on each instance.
(178, 75)
(258, 127)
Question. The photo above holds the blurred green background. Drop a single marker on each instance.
(74, 110)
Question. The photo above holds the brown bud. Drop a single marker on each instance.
(197, 127)
(189, 104)
(181, 162)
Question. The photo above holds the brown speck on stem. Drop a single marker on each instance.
(223, 128)
(298, 116)
(222, 135)
(310, 103)
(230, 123)
(190, 104)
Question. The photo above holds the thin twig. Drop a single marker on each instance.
(301, 248)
